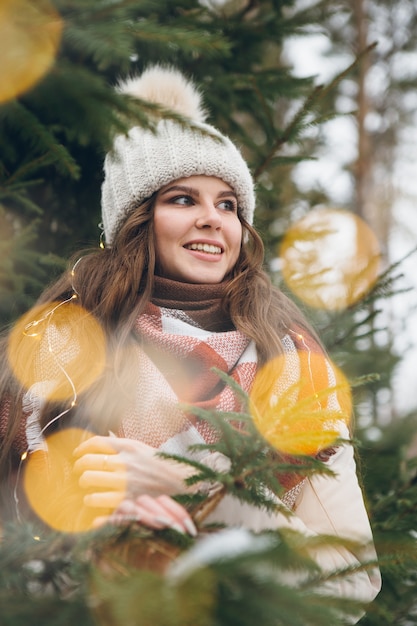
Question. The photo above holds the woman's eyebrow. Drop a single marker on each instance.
(227, 193)
(183, 188)
(192, 191)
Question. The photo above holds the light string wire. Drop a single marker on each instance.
(316, 394)
(48, 318)
(310, 370)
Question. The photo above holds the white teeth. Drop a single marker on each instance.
(205, 247)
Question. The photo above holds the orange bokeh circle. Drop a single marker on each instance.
(305, 416)
(330, 258)
(30, 34)
(52, 488)
(59, 345)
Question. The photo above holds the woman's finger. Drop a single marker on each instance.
(171, 505)
(163, 512)
(110, 444)
(127, 507)
(106, 462)
(125, 513)
(104, 499)
(154, 515)
(97, 445)
(179, 512)
(101, 520)
(109, 480)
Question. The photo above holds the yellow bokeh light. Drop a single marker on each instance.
(330, 259)
(30, 34)
(60, 347)
(52, 488)
(305, 416)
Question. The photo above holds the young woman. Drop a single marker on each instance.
(177, 290)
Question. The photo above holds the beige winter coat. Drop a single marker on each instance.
(325, 505)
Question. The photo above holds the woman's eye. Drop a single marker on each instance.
(228, 205)
(182, 200)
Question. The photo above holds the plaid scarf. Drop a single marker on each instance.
(179, 346)
(174, 367)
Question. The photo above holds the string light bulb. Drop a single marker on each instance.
(101, 244)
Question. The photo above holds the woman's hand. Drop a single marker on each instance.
(113, 469)
(156, 513)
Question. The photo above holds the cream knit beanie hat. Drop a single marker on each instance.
(145, 160)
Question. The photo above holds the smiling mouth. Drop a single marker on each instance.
(204, 247)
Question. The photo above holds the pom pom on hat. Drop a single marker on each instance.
(167, 87)
(145, 160)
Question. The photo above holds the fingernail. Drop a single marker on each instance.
(125, 519)
(167, 522)
(161, 519)
(189, 525)
(178, 528)
(99, 521)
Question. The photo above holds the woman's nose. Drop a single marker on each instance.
(209, 216)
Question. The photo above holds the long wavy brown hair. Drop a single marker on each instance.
(116, 283)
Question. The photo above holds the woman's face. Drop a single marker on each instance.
(198, 234)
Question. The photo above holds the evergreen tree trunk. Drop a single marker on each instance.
(364, 161)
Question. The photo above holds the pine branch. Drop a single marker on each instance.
(302, 119)
(292, 129)
(39, 138)
(189, 40)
